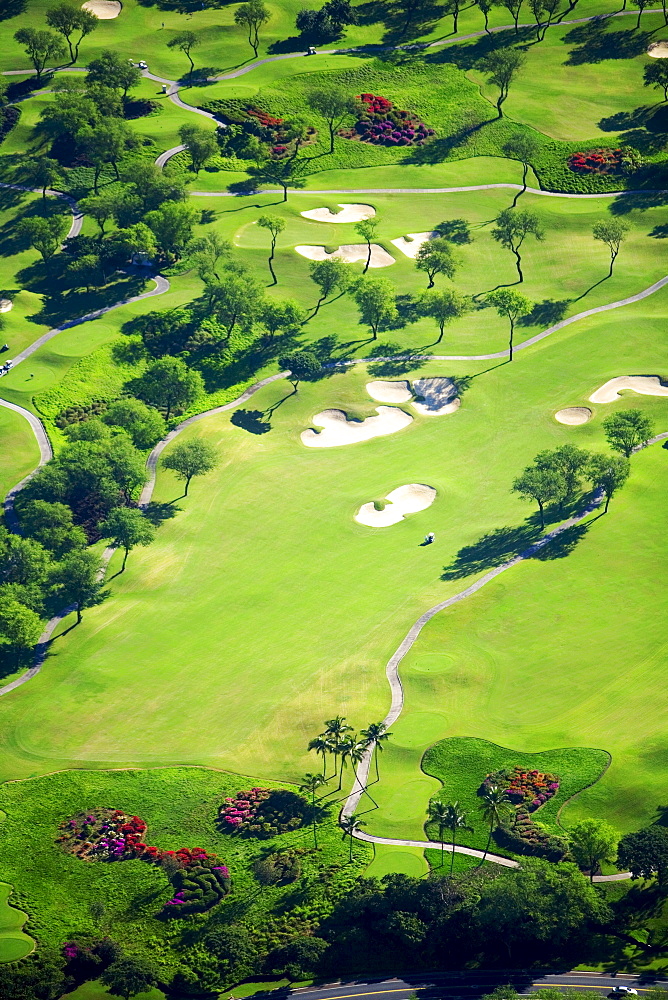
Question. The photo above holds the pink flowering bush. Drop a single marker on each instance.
(263, 812)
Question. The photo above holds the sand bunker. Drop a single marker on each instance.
(389, 392)
(437, 396)
(349, 253)
(404, 500)
(658, 50)
(104, 10)
(6, 305)
(338, 430)
(573, 415)
(410, 246)
(646, 385)
(348, 213)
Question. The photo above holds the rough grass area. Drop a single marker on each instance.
(180, 806)
(461, 765)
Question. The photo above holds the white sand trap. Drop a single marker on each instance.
(348, 213)
(410, 246)
(437, 396)
(645, 385)
(573, 415)
(404, 500)
(658, 50)
(349, 253)
(389, 392)
(6, 305)
(338, 430)
(104, 10)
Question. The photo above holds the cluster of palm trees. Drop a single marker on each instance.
(345, 746)
(495, 807)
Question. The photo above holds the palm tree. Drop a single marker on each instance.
(438, 813)
(354, 751)
(321, 746)
(374, 735)
(351, 825)
(456, 820)
(310, 784)
(494, 808)
(335, 729)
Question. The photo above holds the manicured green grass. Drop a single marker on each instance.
(461, 765)
(94, 990)
(14, 944)
(19, 453)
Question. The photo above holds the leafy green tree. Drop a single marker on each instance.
(281, 314)
(608, 473)
(43, 235)
(501, 66)
(169, 383)
(191, 458)
(495, 807)
(40, 46)
(206, 251)
(200, 143)
(645, 853)
(455, 8)
(334, 105)
(87, 271)
(101, 207)
(282, 172)
(20, 626)
(544, 485)
(438, 813)
(127, 527)
(376, 302)
(105, 145)
(375, 735)
(77, 579)
(275, 225)
(143, 423)
(22, 560)
(367, 230)
(51, 525)
(328, 275)
(310, 785)
(592, 841)
(252, 16)
(301, 365)
(522, 146)
(111, 70)
(172, 225)
(513, 226)
(612, 232)
(131, 240)
(185, 41)
(235, 300)
(656, 75)
(126, 977)
(69, 20)
(443, 305)
(512, 305)
(627, 430)
(42, 172)
(513, 7)
(642, 5)
(351, 825)
(570, 462)
(436, 257)
(484, 6)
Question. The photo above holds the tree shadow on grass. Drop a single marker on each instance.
(593, 43)
(546, 313)
(157, 511)
(251, 421)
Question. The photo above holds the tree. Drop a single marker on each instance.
(111, 70)
(484, 6)
(545, 486)
(438, 813)
(656, 75)
(502, 65)
(513, 226)
(206, 251)
(301, 365)
(335, 732)
(126, 977)
(127, 527)
(281, 314)
(40, 46)
(550, 8)
(522, 146)
(20, 626)
(374, 736)
(235, 300)
(328, 21)
(608, 473)
(334, 105)
(592, 841)
(100, 207)
(328, 275)
(512, 305)
(366, 230)
(252, 16)
(351, 825)
(627, 430)
(495, 807)
(78, 579)
(22, 560)
(275, 226)
(52, 526)
(569, 462)
(436, 257)
(642, 5)
(455, 820)
(310, 785)
(43, 235)
(278, 172)
(376, 302)
(454, 7)
(143, 423)
(169, 383)
(200, 143)
(353, 750)
(612, 232)
(444, 306)
(87, 271)
(645, 853)
(68, 20)
(185, 41)
(43, 172)
(106, 144)
(321, 746)
(191, 458)
(172, 225)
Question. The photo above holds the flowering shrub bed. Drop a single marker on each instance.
(199, 887)
(597, 161)
(262, 812)
(381, 124)
(529, 788)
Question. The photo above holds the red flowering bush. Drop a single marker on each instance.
(529, 788)
(381, 124)
(597, 161)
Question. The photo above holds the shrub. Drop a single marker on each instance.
(280, 868)
(263, 813)
(530, 788)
